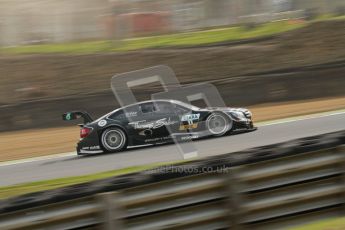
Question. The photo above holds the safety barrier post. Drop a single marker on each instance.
(111, 211)
(341, 150)
(234, 199)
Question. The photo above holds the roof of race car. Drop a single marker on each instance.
(143, 102)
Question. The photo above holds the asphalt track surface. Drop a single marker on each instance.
(75, 166)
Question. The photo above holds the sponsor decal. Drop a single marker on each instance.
(96, 147)
(102, 123)
(189, 137)
(191, 120)
(131, 114)
(159, 139)
(192, 126)
(152, 124)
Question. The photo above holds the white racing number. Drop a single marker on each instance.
(102, 123)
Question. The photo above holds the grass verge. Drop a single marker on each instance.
(330, 224)
(329, 17)
(172, 40)
(20, 189)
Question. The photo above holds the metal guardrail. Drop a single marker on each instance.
(272, 193)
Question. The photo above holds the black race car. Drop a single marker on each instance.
(156, 122)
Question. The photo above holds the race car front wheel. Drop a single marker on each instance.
(218, 124)
(114, 139)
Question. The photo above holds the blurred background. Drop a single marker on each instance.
(36, 22)
(280, 58)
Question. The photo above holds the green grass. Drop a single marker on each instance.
(20, 189)
(329, 17)
(173, 40)
(331, 224)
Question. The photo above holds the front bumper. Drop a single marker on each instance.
(243, 124)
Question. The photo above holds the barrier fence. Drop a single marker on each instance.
(270, 187)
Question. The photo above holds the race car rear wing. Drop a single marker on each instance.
(76, 115)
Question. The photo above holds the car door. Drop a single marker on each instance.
(157, 121)
(166, 111)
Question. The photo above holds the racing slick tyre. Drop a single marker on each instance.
(114, 139)
(218, 124)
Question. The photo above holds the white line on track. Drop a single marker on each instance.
(259, 124)
(300, 118)
(33, 159)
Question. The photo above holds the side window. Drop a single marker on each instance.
(119, 115)
(127, 112)
(148, 108)
(182, 110)
(165, 107)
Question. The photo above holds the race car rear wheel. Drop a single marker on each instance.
(218, 124)
(114, 139)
